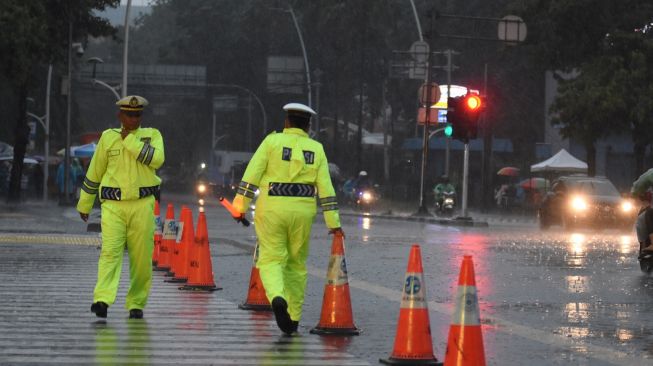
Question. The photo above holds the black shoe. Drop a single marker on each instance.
(100, 309)
(280, 309)
(295, 325)
(135, 314)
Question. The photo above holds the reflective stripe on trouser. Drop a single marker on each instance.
(130, 222)
(283, 248)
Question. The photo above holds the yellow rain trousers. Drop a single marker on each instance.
(122, 172)
(291, 169)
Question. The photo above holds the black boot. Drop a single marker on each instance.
(295, 325)
(135, 314)
(280, 309)
(100, 309)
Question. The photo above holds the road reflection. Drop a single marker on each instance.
(112, 347)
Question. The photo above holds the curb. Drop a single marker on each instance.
(430, 220)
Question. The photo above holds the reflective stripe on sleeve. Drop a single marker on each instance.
(91, 184)
(143, 152)
(150, 154)
(247, 189)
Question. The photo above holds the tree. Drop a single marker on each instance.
(590, 106)
(35, 32)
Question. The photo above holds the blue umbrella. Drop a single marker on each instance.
(83, 151)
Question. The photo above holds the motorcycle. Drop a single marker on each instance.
(445, 206)
(203, 191)
(365, 199)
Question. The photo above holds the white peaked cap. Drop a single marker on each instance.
(299, 108)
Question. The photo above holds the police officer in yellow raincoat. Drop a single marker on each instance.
(289, 169)
(122, 172)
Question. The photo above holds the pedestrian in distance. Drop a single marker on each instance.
(122, 172)
(291, 169)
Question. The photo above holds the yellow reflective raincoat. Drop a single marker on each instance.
(122, 173)
(289, 169)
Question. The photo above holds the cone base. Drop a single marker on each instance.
(255, 307)
(335, 331)
(408, 361)
(199, 288)
(170, 274)
(176, 280)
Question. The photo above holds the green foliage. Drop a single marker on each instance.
(36, 33)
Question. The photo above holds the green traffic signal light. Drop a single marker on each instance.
(448, 130)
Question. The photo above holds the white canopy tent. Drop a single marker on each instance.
(562, 162)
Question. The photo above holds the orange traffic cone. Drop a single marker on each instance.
(413, 345)
(336, 317)
(157, 233)
(465, 342)
(187, 238)
(256, 299)
(200, 271)
(167, 240)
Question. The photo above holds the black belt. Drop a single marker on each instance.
(114, 194)
(291, 190)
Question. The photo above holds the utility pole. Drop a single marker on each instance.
(422, 210)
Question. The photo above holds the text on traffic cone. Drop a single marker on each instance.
(413, 344)
(200, 269)
(336, 316)
(465, 341)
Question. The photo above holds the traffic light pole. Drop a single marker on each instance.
(465, 180)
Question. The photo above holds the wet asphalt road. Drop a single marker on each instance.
(551, 298)
(546, 298)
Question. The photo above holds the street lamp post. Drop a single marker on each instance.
(125, 50)
(301, 41)
(66, 172)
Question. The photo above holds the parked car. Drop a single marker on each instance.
(582, 201)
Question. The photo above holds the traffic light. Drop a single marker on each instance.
(463, 113)
(448, 130)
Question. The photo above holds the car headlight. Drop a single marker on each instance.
(448, 201)
(578, 204)
(367, 196)
(201, 188)
(201, 202)
(627, 206)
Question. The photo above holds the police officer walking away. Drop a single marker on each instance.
(122, 171)
(291, 169)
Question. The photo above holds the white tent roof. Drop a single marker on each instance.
(560, 162)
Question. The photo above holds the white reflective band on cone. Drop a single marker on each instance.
(337, 272)
(467, 312)
(158, 226)
(414, 294)
(169, 230)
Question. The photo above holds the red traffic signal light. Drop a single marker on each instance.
(473, 102)
(463, 113)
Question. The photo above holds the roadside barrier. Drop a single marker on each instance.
(413, 344)
(256, 298)
(465, 341)
(336, 317)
